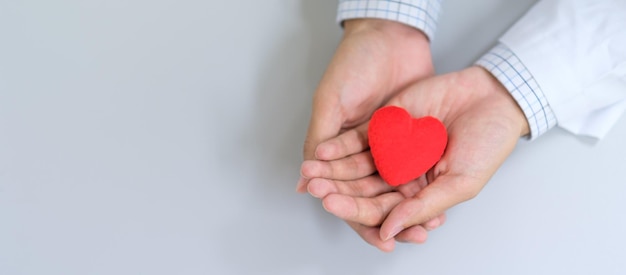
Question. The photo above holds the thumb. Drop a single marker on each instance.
(325, 123)
(446, 191)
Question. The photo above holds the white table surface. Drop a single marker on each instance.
(164, 137)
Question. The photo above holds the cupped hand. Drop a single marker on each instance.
(364, 203)
(484, 123)
(375, 59)
(344, 178)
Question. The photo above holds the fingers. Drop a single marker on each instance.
(301, 185)
(371, 235)
(435, 223)
(325, 123)
(411, 188)
(368, 200)
(431, 202)
(349, 168)
(365, 203)
(365, 188)
(366, 211)
(348, 143)
(416, 234)
(339, 158)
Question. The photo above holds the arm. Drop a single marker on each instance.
(384, 49)
(421, 15)
(565, 62)
(515, 96)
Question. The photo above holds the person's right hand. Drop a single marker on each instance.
(375, 59)
(484, 123)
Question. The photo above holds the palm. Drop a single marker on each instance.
(483, 123)
(483, 130)
(368, 69)
(373, 62)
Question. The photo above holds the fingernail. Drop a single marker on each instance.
(322, 152)
(396, 230)
(312, 190)
(318, 152)
(300, 186)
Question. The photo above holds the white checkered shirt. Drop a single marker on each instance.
(511, 72)
(421, 14)
(500, 60)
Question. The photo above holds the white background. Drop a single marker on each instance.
(164, 137)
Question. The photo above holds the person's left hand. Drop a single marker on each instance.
(365, 202)
(375, 60)
(484, 123)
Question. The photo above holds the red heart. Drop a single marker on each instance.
(404, 148)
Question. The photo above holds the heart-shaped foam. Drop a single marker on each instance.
(405, 148)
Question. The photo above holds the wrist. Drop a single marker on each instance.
(406, 48)
(501, 96)
(389, 27)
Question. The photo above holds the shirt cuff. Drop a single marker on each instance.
(513, 74)
(420, 14)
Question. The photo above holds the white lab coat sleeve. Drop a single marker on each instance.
(576, 52)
